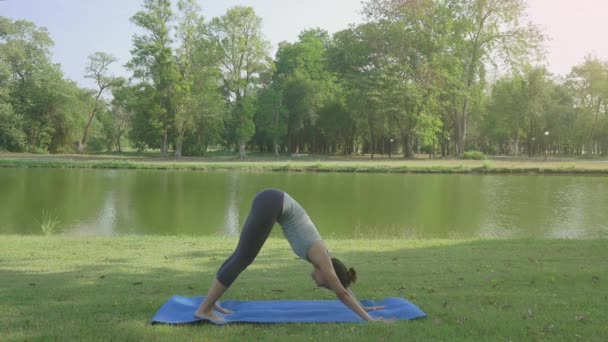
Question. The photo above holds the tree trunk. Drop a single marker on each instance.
(276, 147)
(242, 153)
(462, 128)
(164, 145)
(82, 144)
(178, 148)
(179, 141)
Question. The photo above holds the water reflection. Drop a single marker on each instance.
(114, 202)
(577, 206)
(231, 221)
(497, 222)
(103, 224)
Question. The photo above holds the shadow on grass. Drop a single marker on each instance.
(469, 290)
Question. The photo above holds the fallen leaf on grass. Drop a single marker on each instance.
(548, 328)
(461, 320)
(528, 314)
(580, 318)
(437, 321)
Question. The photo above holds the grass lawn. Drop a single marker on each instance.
(107, 288)
(310, 163)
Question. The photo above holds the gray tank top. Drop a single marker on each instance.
(298, 227)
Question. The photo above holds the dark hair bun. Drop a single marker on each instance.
(352, 274)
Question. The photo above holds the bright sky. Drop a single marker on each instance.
(82, 27)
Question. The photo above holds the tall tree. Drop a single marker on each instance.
(303, 74)
(271, 119)
(153, 63)
(97, 69)
(244, 56)
(42, 108)
(589, 85)
(188, 31)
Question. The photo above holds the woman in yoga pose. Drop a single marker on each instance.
(268, 207)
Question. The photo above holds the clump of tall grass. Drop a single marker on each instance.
(49, 222)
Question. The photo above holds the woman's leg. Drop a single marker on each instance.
(265, 210)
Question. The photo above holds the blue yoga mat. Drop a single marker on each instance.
(180, 310)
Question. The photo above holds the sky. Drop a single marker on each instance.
(82, 27)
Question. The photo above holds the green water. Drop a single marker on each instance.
(116, 202)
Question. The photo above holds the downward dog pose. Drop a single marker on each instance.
(268, 207)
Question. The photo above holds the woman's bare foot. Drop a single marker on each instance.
(222, 310)
(209, 316)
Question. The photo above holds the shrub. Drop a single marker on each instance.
(474, 155)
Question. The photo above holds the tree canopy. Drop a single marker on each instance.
(429, 76)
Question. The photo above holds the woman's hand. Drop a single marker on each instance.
(374, 308)
(385, 320)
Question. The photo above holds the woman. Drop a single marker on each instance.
(268, 207)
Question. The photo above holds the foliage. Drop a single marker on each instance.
(412, 78)
(243, 52)
(473, 155)
(39, 109)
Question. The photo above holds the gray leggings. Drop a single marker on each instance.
(266, 208)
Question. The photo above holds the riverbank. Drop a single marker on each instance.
(308, 164)
(66, 288)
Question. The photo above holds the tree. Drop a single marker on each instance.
(153, 63)
(97, 70)
(270, 119)
(209, 104)
(42, 110)
(503, 120)
(12, 136)
(357, 61)
(303, 74)
(188, 31)
(589, 85)
(244, 56)
(477, 32)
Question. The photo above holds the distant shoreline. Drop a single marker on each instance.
(308, 164)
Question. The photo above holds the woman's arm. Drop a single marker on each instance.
(345, 296)
(319, 257)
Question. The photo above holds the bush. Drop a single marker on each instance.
(95, 145)
(474, 155)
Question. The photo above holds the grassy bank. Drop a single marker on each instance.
(308, 164)
(68, 288)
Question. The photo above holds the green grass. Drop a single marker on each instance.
(76, 288)
(306, 164)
